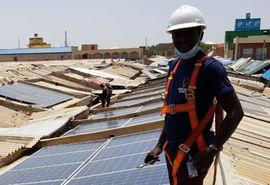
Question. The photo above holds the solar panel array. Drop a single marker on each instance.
(108, 162)
(33, 95)
(93, 127)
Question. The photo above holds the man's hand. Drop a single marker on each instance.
(153, 154)
(203, 160)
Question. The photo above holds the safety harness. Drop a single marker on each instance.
(190, 107)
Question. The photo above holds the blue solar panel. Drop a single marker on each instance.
(152, 175)
(34, 95)
(135, 138)
(75, 157)
(38, 174)
(114, 164)
(126, 149)
(117, 163)
(131, 102)
(76, 163)
(152, 106)
(61, 149)
(54, 163)
(115, 112)
(92, 127)
(144, 94)
(145, 118)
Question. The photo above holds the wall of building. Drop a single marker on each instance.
(35, 57)
(123, 53)
(255, 49)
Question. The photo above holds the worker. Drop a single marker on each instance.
(106, 94)
(195, 83)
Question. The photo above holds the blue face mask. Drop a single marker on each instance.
(188, 54)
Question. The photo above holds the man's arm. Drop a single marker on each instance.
(153, 154)
(234, 113)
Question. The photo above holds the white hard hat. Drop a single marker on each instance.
(185, 17)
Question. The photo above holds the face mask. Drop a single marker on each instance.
(191, 53)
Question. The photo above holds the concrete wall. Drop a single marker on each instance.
(124, 53)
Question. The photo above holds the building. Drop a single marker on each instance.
(247, 40)
(37, 42)
(39, 54)
(91, 51)
(165, 49)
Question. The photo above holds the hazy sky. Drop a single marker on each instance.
(115, 23)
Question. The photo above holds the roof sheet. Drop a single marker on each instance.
(35, 51)
(41, 129)
(33, 95)
(96, 73)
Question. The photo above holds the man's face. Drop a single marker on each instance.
(185, 39)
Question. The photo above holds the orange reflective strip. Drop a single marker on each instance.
(192, 87)
(194, 124)
(201, 126)
(170, 78)
(178, 160)
(193, 79)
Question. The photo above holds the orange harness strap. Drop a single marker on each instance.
(189, 107)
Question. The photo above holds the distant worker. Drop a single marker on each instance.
(195, 82)
(106, 94)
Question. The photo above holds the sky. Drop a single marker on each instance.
(116, 23)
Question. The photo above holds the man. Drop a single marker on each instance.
(194, 82)
(106, 94)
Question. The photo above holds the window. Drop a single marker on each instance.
(15, 59)
(31, 58)
(260, 54)
(247, 52)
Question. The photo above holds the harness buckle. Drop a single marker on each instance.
(189, 94)
(172, 108)
(162, 96)
(184, 148)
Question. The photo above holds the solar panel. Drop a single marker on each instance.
(131, 102)
(115, 112)
(34, 95)
(54, 163)
(92, 163)
(31, 175)
(117, 163)
(144, 94)
(152, 106)
(91, 127)
(145, 118)
(152, 175)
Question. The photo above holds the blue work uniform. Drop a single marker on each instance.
(212, 82)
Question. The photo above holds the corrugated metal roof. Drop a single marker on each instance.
(34, 95)
(254, 66)
(35, 51)
(41, 129)
(96, 73)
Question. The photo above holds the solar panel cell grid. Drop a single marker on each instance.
(60, 149)
(32, 162)
(153, 175)
(38, 174)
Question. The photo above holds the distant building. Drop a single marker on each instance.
(37, 42)
(247, 40)
(39, 54)
(219, 50)
(165, 49)
(91, 51)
